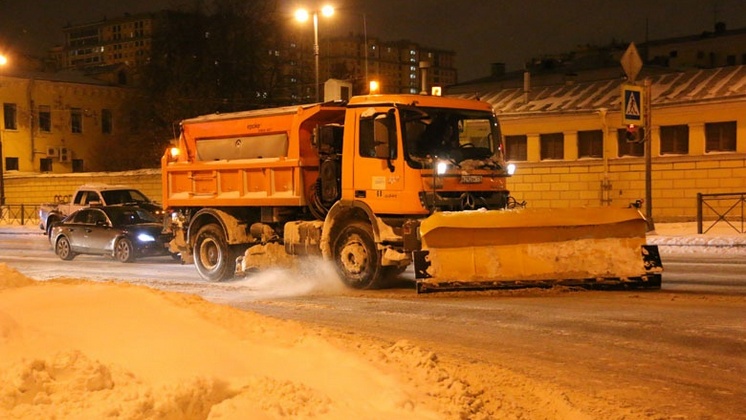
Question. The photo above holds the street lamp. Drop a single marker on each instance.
(302, 16)
(3, 62)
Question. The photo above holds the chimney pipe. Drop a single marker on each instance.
(424, 65)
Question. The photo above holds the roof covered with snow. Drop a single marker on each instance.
(707, 85)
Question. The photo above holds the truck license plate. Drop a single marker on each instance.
(471, 179)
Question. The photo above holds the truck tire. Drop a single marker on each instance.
(124, 251)
(356, 256)
(63, 249)
(212, 255)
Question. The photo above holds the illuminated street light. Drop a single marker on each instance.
(302, 16)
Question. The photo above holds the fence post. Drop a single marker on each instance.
(23, 216)
(699, 213)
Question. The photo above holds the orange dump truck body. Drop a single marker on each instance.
(256, 158)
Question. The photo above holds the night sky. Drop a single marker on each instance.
(479, 31)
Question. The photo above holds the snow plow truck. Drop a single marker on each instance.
(376, 183)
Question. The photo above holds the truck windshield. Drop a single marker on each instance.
(454, 134)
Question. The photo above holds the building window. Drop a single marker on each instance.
(106, 121)
(45, 119)
(626, 148)
(76, 120)
(45, 165)
(552, 146)
(516, 148)
(720, 137)
(591, 144)
(10, 113)
(11, 163)
(675, 139)
(78, 165)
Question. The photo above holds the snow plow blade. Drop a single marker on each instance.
(587, 247)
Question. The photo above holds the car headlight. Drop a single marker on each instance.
(144, 237)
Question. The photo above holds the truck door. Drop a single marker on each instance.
(378, 178)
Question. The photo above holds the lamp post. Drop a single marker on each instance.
(302, 15)
(3, 62)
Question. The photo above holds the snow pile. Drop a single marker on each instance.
(682, 238)
(79, 349)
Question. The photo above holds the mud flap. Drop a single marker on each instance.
(587, 247)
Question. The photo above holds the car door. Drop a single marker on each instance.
(98, 232)
(75, 230)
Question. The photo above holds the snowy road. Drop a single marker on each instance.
(675, 353)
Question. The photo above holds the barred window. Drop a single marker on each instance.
(675, 139)
(720, 137)
(552, 146)
(630, 149)
(45, 165)
(516, 148)
(591, 144)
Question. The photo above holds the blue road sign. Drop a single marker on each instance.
(632, 105)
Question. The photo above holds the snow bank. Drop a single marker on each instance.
(78, 349)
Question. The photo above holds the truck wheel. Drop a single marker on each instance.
(124, 251)
(356, 256)
(63, 249)
(212, 256)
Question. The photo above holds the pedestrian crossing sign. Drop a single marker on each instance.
(632, 105)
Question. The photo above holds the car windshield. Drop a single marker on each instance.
(449, 133)
(130, 216)
(124, 196)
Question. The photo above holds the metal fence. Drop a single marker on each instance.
(726, 208)
(19, 214)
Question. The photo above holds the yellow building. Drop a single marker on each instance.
(570, 148)
(55, 123)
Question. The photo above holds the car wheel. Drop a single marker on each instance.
(212, 255)
(63, 249)
(356, 256)
(124, 251)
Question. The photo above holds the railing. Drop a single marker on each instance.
(726, 207)
(19, 214)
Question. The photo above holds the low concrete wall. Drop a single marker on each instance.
(31, 189)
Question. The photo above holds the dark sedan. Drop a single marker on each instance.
(123, 232)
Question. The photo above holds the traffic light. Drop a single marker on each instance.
(634, 134)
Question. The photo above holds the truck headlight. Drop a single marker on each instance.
(441, 167)
(511, 169)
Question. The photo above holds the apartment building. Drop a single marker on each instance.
(359, 59)
(123, 40)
